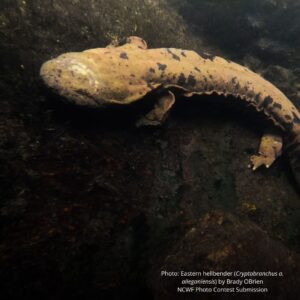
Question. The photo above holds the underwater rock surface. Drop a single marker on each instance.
(224, 242)
(91, 206)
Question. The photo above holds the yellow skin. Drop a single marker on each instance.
(125, 74)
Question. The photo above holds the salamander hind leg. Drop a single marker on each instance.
(160, 111)
(270, 148)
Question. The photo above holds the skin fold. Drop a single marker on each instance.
(125, 74)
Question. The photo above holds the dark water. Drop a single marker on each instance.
(93, 208)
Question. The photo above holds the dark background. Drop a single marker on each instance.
(93, 208)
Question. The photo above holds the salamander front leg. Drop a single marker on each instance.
(269, 149)
(160, 111)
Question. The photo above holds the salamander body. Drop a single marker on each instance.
(125, 74)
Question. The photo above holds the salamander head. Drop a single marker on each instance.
(73, 76)
(85, 79)
(99, 77)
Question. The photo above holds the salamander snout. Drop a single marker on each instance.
(72, 77)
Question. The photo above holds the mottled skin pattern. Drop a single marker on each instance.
(124, 74)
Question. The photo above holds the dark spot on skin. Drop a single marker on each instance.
(181, 79)
(257, 97)
(191, 80)
(283, 124)
(277, 105)
(151, 70)
(183, 54)
(296, 120)
(288, 117)
(233, 80)
(132, 75)
(251, 94)
(85, 93)
(267, 101)
(124, 55)
(210, 76)
(209, 86)
(149, 85)
(237, 87)
(198, 70)
(161, 67)
(174, 56)
(206, 55)
(130, 83)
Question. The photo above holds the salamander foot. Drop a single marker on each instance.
(261, 160)
(269, 149)
(159, 113)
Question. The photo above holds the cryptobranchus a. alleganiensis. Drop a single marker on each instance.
(125, 74)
